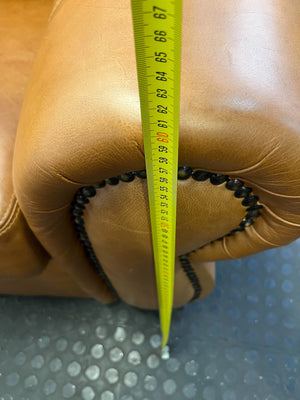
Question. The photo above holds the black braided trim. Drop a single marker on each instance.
(190, 273)
(78, 207)
(242, 192)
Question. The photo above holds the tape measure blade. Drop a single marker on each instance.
(157, 31)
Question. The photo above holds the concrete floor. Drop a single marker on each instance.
(240, 343)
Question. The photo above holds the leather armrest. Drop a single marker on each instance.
(240, 98)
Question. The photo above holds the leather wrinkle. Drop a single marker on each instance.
(254, 166)
(274, 215)
(41, 212)
(262, 238)
(225, 247)
(8, 211)
(12, 218)
(125, 228)
(284, 196)
(55, 9)
(53, 173)
(139, 147)
(69, 180)
(53, 210)
(228, 240)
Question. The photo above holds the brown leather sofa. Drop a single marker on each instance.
(73, 204)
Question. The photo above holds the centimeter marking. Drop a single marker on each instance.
(157, 32)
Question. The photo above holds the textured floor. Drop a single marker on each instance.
(241, 343)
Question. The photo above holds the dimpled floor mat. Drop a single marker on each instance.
(240, 343)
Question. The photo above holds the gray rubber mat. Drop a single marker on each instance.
(240, 343)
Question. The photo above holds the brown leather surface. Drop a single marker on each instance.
(239, 115)
(55, 281)
(118, 225)
(52, 281)
(21, 253)
(22, 24)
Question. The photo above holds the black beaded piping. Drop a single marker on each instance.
(235, 185)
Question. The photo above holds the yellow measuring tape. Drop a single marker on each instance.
(157, 32)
